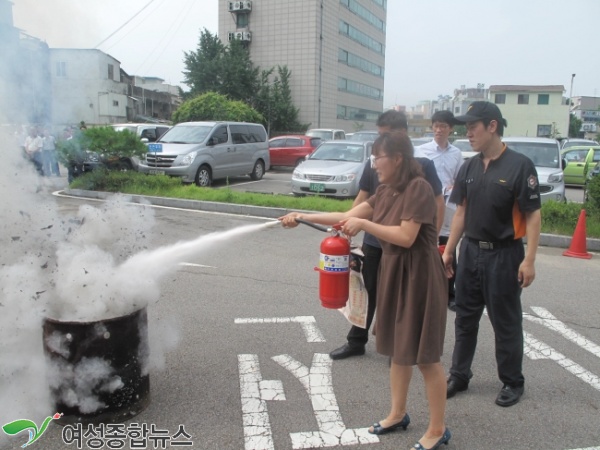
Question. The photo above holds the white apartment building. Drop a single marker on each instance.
(532, 110)
(335, 50)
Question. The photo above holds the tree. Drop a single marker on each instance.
(225, 70)
(213, 106)
(202, 67)
(574, 125)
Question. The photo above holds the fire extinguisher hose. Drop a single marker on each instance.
(314, 225)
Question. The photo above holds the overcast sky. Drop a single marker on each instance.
(433, 46)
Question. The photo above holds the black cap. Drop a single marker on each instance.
(482, 110)
(444, 117)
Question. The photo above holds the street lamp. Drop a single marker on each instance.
(570, 104)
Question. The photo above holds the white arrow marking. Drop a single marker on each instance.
(549, 321)
(536, 349)
(317, 381)
(255, 393)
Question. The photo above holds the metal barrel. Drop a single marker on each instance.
(97, 371)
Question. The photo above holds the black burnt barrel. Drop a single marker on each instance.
(97, 371)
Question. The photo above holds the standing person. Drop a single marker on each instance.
(358, 337)
(412, 286)
(33, 149)
(498, 203)
(447, 160)
(73, 155)
(50, 163)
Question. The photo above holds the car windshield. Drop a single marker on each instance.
(364, 136)
(339, 152)
(321, 134)
(542, 154)
(133, 129)
(186, 134)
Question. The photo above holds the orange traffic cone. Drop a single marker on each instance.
(578, 243)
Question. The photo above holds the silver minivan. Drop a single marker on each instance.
(200, 152)
(545, 154)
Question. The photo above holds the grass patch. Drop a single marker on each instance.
(557, 218)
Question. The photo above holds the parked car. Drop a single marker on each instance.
(593, 172)
(575, 142)
(333, 169)
(200, 152)
(545, 154)
(465, 148)
(420, 141)
(147, 132)
(291, 150)
(363, 136)
(326, 134)
(579, 160)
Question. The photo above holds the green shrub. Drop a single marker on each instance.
(593, 191)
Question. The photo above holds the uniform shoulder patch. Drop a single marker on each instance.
(532, 181)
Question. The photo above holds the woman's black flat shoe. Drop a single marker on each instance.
(378, 429)
(443, 440)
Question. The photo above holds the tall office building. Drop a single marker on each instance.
(335, 50)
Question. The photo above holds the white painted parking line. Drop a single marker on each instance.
(196, 265)
(318, 383)
(549, 321)
(308, 324)
(536, 349)
(255, 393)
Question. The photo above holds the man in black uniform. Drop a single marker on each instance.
(498, 200)
(357, 337)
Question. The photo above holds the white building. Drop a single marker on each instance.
(335, 51)
(532, 110)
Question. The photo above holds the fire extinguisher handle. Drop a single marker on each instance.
(314, 225)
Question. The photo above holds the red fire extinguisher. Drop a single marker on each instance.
(334, 267)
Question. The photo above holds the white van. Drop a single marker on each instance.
(200, 152)
(326, 134)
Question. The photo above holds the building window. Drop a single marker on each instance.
(500, 99)
(242, 20)
(544, 130)
(115, 103)
(361, 89)
(523, 99)
(111, 71)
(543, 99)
(362, 38)
(356, 61)
(61, 69)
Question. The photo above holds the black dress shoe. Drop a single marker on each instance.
(347, 350)
(509, 395)
(455, 385)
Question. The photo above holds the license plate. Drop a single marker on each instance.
(155, 148)
(317, 187)
(156, 172)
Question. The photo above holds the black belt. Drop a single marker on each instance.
(486, 245)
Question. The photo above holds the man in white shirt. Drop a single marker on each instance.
(33, 149)
(447, 160)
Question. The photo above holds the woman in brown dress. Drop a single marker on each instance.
(412, 286)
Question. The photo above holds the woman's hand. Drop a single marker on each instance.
(289, 220)
(352, 226)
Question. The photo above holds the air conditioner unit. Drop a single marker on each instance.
(230, 36)
(234, 6)
(239, 35)
(246, 5)
(246, 36)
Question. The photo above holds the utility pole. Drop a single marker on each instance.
(570, 104)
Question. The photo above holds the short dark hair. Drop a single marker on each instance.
(444, 117)
(396, 120)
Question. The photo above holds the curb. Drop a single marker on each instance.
(546, 240)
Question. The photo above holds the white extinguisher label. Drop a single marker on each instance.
(334, 263)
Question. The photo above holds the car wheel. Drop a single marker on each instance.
(124, 165)
(258, 171)
(204, 176)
